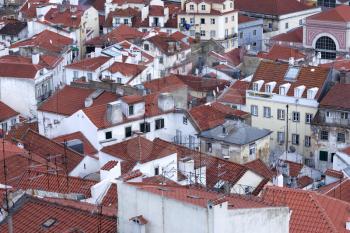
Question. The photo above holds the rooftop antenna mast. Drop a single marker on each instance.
(66, 162)
(9, 220)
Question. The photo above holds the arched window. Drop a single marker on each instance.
(327, 47)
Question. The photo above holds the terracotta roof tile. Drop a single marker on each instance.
(340, 13)
(309, 76)
(89, 64)
(159, 179)
(271, 7)
(88, 148)
(338, 97)
(129, 70)
(339, 190)
(6, 112)
(132, 99)
(293, 168)
(109, 165)
(304, 181)
(51, 150)
(278, 52)
(161, 41)
(47, 40)
(294, 35)
(310, 212)
(18, 67)
(13, 28)
(244, 19)
(259, 167)
(119, 12)
(65, 18)
(71, 99)
(334, 173)
(33, 212)
(155, 10)
(235, 94)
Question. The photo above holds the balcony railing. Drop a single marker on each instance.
(322, 120)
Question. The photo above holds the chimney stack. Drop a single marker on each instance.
(35, 58)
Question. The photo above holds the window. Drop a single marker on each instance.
(117, 20)
(308, 118)
(282, 91)
(202, 33)
(307, 141)
(192, 32)
(212, 21)
(131, 110)
(254, 33)
(344, 115)
(223, 6)
(232, 18)
(89, 76)
(255, 87)
(286, 25)
(161, 60)
(231, 5)
(341, 137)
(267, 112)
(300, 22)
(192, 21)
(202, 20)
(295, 139)
(281, 114)
(191, 141)
(126, 21)
(4, 127)
(145, 127)
(156, 171)
(128, 131)
(252, 149)
(296, 116)
(226, 20)
(324, 135)
(75, 74)
(146, 47)
(268, 88)
(323, 155)
(160, 123)
(184, 120)
(108, 135)
(326, 46)
(212, 33)
(119, 80)
(254, 110)
(192, 7)
(208, 147)
(270, 25)
(149, 77)
(280, 137)
(13, 121)
(203, 7)
(241, 35)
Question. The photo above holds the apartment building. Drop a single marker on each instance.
(217, 20)
(281, 93)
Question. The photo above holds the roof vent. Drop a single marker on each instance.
(49, 222)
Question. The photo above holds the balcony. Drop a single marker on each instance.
(322, 120)
(259, 94)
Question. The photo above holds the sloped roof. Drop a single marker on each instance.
(129, 70)
(89, 64)
(65, 18)
(235, 94)
(6, 112)
(310, 212)
(294, 35)
(340, 14)
(161, 41)
(18, 67)
(338, 97)
(259, 167)
(271, 7)
(71, 99)
(278, 52)
(339, 190)
(13, 28)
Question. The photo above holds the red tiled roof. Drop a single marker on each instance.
(18, 67)
(294, 35)
(137, 150)
(340, 64)
(54, 183)
(244, 19)
(310, 212)
(271, 7)
(235, 94)
(16, 133)
(130, 174)
(109, 165)
(32, 213)
(308, 76)
(294, 168)
(340, 14)
(334, 173)
(71, 99)
(132, 99)
(89, 64)
(89, 149)
(13, 27)
(6, 112)
(128, 12)
(48, 149)
(208, 116)
(129, 70)
(28, 9)
(123, 32)
(339, 190)
(232, 57)
(195, 83)
(304, 181)
(161, 41)
(97, 114)
(155, 10)
(278, 52)
(47, 40)
(346, 150)
(180, 36)
(200, 197)
(158, 180)
(338, 97)
(259, 167)
(65, 18)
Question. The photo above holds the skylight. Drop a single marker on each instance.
(292, 73)
(49, 222)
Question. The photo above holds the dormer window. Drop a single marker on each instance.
(282, 90)
(223, 6)
(298, 91)
(203, 7)
(192, 7)
(311, 93)
(231, 5)
(269, 87)
(257, 85)
(131, 110)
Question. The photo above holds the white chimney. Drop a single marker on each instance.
(88, 102)
(166, 102)
(35, 58)
(114, 113)
(347, 226)
(291, 61)
(98, 52)
(279, 180)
